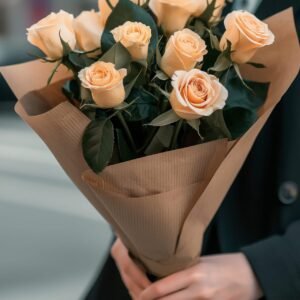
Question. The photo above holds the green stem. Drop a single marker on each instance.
(149, 139)
(176, 134)
(146, 4)
(109, 4)
(54, 72)
(127, 130)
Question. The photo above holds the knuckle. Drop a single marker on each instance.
(114, 250)
(206, 294)
(126, 268)
(195, 277)
(129, 285)
(157, 290)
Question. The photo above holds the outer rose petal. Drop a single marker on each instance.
(45, 34)
(186, 107)
(247, 34)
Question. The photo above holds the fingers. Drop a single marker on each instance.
(182, 295)
(133, 289)
(167, 286)
(136, 273)
(132, 275)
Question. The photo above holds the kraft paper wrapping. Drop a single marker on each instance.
(159, 205)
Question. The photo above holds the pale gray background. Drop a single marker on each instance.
(52, 241)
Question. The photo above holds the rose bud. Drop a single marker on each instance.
(173, 15)
(46, 34)
(196, 94)
(134, 36)
(105, 10)
(105, 83)
(247, 34)
(220, 4)
(184, 49)
(88, 29)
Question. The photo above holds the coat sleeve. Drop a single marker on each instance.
(276, 264)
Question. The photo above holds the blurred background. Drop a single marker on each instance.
(52, 241)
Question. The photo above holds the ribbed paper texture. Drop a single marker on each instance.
(159, 205)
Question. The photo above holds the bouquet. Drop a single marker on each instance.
(152, 107)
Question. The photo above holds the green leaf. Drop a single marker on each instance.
(209, 11)
(86, 52)
(66, 47)
(80, 61)
(161, 75)
(117, 55)
(98, 144)
(158, 53)
(222, 64)
(164, 119)
(200, 27)
(145, 107)
(125, 151)
(239, 120)
(135, 77)
(125, 105)
(238, 72)
(161, 141)
(71, 89)
(125, 11)
(160, 90)
(223, 61)
(195, 124)
(242, 106)
(256, 65)
(214, 41)
(215, 126)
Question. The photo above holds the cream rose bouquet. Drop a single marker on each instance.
(151, 74)
(158, 112)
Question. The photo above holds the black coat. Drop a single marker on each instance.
(261, 213)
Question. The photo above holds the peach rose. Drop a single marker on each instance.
(196, 94)
(105, 10)
(105, 83)
(45, 34)
(88, 29)
(247, 34)
(184, 49)
(220, 4)
(134, 36)
(173, 15)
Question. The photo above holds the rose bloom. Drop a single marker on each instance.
(184, 49)
(247, 34)
(88, 29)
(105, 83)
(196, 94)
(45, 34)
(220, 4)
(134, 36)
(173, 15)
(105, 10)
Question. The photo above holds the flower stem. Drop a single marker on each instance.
(127, 130)
(109, 4)
(176, 134)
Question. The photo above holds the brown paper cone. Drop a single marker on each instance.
(159, 205)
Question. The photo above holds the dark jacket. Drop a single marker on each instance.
(261, 213)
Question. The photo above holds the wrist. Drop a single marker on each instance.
(248, 274)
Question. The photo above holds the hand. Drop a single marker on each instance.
(220, 277)
(132, 275)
